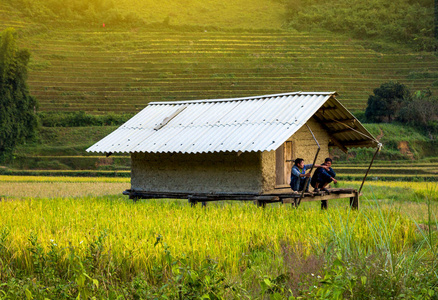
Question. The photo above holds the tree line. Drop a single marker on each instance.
(393, 101)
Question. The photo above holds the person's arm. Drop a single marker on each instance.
(320, 166)
(295, 172)
(331, 172)
(325, 174)
(333, 175)
(328, 175)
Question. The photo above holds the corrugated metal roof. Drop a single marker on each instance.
(260, 123)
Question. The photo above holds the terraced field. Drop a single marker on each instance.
(397, 171)
(104, 70)
(11, 18)
(99, 71)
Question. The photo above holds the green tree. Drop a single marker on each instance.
(18, 120)
(386, 102)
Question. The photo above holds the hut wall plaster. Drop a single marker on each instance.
(221, 172)
(304, 145)
(202, 172)
(268, 170)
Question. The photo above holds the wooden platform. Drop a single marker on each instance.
(283, 195)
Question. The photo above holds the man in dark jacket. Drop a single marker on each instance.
(323, 176)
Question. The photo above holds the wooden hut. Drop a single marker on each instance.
(240, 148)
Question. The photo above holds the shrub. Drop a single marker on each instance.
(386, 102)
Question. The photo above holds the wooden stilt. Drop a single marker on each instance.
(133, 197)
(354, 201)
(260, 203)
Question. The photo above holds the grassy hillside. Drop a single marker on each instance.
(173, 50)
(180, 50)
(63, 149)
(112, 70)
(255, 14)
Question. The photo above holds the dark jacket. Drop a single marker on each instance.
(322, 176)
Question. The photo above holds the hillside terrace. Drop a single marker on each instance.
(100, 70)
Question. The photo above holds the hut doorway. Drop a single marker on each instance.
(283, 164)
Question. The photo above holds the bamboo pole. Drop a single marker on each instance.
(379, 146)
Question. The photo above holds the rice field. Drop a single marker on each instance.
(60, 187)
(61, 244)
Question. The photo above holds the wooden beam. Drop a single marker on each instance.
(287, 191)
(339, 144)
(341, 131)
(339, 121)
(327, 108)
(332, 138)
(278, 195)
(323, 197)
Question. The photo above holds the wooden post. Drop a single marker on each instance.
(324, 204)
(260, 203)
(354, 201)
(192, 201)
(133, 197)
(292, 201)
